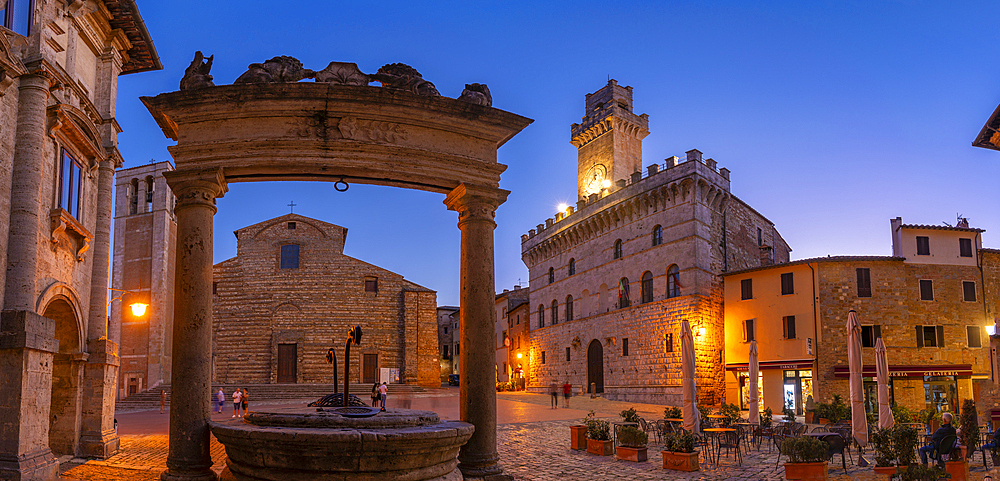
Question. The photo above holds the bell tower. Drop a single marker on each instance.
(608, 140)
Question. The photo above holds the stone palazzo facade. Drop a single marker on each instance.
(59, 68)
(290, 294)
(613, 277)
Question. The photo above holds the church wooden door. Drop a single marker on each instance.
(370, 368)
(287, 363)
(595, 366)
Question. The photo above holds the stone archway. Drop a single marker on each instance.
(595, 367)
(271, 127)
(67, 378)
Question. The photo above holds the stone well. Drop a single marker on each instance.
(316, 444)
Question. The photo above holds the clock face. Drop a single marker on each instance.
(594, 181)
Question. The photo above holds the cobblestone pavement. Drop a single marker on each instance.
(140, 458)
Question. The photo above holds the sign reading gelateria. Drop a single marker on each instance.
(911, 371)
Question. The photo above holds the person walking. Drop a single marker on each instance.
(567, 392)
(554, 392)
(375, 394)
(383, 390)
(246, 401)
(220, 401)
(237, 402)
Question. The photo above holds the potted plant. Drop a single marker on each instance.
(678, 452)
(885, 454)
(838, 410)
(598, 436)
(822, 413)
(672, 413)
(969, 422)
(919, 472)
(789, 414)
(631, 444)
(731, 413)
(904, 443)
(806, 458)
(767, 418)
(629, 415)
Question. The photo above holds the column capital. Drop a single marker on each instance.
(197, 187)
(475, 202)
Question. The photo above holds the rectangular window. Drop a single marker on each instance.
(746, 289)
(923, 246)
(864, 282)
(567, 354)
(787, 284)
(930, 336)
(291, 226)
(926, 290)
(504, 313)
(668, 342)
(748, 330)
(760, 237)
(503, 342)
(69, 185)
(543, 357)
(445, 354)
(965, 247)
(969, 291)
(975, 336)
(456, 348)
(870, 335)
(371, 284)
(290, 256)
(788, 323)
(446, 329)
(624, 346)
(215, 288)
(18, 15)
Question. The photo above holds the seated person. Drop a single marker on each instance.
(945, 430)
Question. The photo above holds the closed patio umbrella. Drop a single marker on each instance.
(754, 416)
(885, 420)
(859, 422)
(689, 409)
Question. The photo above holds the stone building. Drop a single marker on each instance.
(449, 334)
(506, 301)
(519, 332)
(930, 302)
(290, 294)
(612, 278)
(59, 67)
(143, 271)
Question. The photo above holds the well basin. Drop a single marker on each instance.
(317, 444)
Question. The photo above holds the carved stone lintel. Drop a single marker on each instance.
(376, 130)
(342, 73)
(400, 76)
(277, 69)
(478, 94)
(196, 75)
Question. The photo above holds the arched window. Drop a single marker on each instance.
(572, 267)
(673, 281)
(149, 193)
(555, 311)
(569, 307)
(623, 300)
(657, 236)
(647, 287)
(133, 197)
(541, 315)
(552, 275)
(618, 249)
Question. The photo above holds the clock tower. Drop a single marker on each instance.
(608, 140)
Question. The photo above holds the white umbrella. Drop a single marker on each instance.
(885, 420)
(754, 417)
(859, 422)
(689, 409)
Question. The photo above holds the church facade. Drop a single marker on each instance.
(643, 249)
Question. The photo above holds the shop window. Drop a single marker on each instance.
(975, 336)
(569, 307)
(541, 315)
(18, 15)
(787, 284)
(657, 236)
(647, 287)
(926, 290)
(969, 291)
(940, 394)
(673, 281)
(552, 275)
(618, 249)
(864, 282)
(668, 342)
(930, 336)
(567, 354)
(555, 312)
(290, 256)
(788, 326)
(70, 184)
(371, 284)
(748, 330)
(870, 335)
(746, 289)
(923, 246)
(624, 346)
(572, 267)
(965, 247)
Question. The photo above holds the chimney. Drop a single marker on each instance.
(963, 223)
(897, 244)
(765, 256)
(693, 154)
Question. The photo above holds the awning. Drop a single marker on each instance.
(789, 364)
(910, 371)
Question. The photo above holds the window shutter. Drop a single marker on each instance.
(877, 333)
(750, 330)
(784, 327)
(920, 336)
(940, 336)
(791, 327)
(745, 330)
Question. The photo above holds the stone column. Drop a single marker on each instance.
(98, 438)
(188, 457)
(477, 394)
(25, 193)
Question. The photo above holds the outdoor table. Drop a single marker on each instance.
(747, 429)
(615, 426)
(716, 432)
(715, 418)
(674, 423)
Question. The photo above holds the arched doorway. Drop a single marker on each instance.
(595, 366)
(67, 377)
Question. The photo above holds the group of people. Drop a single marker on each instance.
(567, 390)
(241, 401)
(379, 392)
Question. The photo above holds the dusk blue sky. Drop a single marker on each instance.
(832, 116)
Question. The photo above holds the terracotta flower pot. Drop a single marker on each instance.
(578, 437)
(959, 470)
(824, 421)
(600, 448)
(886, 470)
(626, 453)
(809, 417)
(807, 471)
(680, 461)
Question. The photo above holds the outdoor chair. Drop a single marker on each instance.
(820, 429)
(988, 443)
(846, 433)
(730, 441)
(701, 444)
(944, 449)
(663, 428)
(779, 436)
(836, 445)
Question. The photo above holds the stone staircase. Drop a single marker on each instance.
(150, 399)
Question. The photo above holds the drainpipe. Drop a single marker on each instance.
(982, 277)
(815, 330)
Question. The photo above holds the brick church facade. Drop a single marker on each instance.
(612, 279)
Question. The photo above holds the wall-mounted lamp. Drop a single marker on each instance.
(519, 355)
(138, 308)
(701, 331)
(991, 330)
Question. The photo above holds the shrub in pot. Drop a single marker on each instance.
(631, 444)
(904, 443)
(672, 413)
(838, 410)
(789, 414)
(731, 413)
(678, 452)
(806, 458)
(885, 454)
(919, 472)
(598, 436)
(629, 415)
(766, 419)
(969, 422)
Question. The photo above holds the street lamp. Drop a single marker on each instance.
(138, 308)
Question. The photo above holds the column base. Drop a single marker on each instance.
(41, 464)
(99, 445)
(194, 475)
(480, 466)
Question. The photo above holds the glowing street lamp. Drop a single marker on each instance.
(138, 308)
(519, 355)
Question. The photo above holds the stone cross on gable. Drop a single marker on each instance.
(291, 206)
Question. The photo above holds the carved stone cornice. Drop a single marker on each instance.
(76, 127)
(62, 222)
(475, 203)
(623, 125)
(10, 66)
